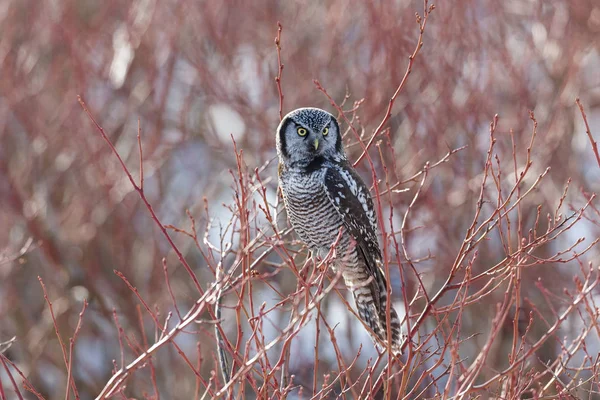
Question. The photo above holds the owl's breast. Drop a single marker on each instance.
(310, 211)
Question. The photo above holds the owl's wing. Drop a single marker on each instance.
(351, 199)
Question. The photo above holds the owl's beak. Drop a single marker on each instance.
(316, 144)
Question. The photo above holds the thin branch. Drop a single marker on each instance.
(279, 68)
(411, 59)
(588, 131)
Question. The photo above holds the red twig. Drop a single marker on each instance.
(120, 333)
(60, 341)
(199, 366)
(411, 59)
(139, 189)
(119, 377)
(28, 386)
(139, 140)
(588, 131)
(137, 293)
(164, 263)
(145, 343)
(71, 349)
(12, 381)
(279, 68)
(2, 395)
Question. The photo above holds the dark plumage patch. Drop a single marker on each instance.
(314, 165)
(282, 139)
(338, 143)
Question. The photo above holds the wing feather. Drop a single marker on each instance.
(350, 197)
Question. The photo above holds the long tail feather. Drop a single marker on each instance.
(371, 302)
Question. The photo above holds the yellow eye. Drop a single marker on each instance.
(325, 131)
(302, 131)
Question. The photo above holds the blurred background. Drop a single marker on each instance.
(196, 74)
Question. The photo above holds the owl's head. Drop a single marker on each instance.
(307, 134)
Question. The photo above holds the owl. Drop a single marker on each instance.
(324, 195)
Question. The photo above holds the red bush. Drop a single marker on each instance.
(490, 213)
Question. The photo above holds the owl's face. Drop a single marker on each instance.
(307, 134)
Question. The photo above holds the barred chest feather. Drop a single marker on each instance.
(314, 218)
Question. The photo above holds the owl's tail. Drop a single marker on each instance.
(371, 302)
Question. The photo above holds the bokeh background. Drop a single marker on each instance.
(196, 74)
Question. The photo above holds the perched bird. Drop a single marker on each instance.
(323, 195)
